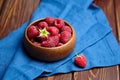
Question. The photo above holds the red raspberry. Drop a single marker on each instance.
(59, 23)
(50, 20)
(43, 35)
(59, 35)
(59, 44)
(53, 30)
(36, 43)
(50, 42)
(42, 38)
(32, 40)
(65, 36)
(80, 61)
(32, 32)
(45, 44)
(66, 28)
(42, 25)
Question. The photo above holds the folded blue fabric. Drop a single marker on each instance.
(94, 39)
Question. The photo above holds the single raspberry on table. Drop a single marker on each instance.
(66, 28)
(50, 20)
(59, 23)
(80, 61)
(53, 30)
(65, 36)
(42, 25)
(50, 42)
(32, 32)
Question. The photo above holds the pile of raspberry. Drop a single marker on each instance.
(50, 32)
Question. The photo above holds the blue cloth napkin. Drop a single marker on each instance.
(94, 39)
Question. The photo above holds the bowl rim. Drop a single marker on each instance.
(25, 35)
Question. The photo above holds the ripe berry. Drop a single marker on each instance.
(43, 35)
(59, 44)
(36, 43)
(32, 32)
(50, 20)
(59, 23)
(32, 40)
(53, 30)
(42, 25)
(80, 61)
(66, 28)
(59, 35)
(65, 36)
(42, 38)
(50, 42)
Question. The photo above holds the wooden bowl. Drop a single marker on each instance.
(48, 54)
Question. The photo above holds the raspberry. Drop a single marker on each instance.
(65, 36)
(50, 20)
(43, 35)
(36, 43)
(59, 44)
(66, 28)
(59, 23)
(50, 42)
(32, 32)
(53, 30)
(42, 38)
(45, 44)
(59, 35)
(42, 25)
(32, 40)
(80, 61)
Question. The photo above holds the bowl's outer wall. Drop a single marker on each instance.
(49, 54)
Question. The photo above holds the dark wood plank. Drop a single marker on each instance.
(108, 73)
(63, 76)
(14, 13)
(117, 6)
(1, 4)
(117, 10)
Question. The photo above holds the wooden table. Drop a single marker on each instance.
(13, 13)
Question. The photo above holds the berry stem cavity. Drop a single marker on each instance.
(43, 32)
(75, 52)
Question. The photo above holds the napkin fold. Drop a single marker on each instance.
(94, 38)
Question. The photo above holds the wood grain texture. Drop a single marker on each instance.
(13, 13)
(117, 10)
(1, 4)
(67, 76)
(108, 73)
